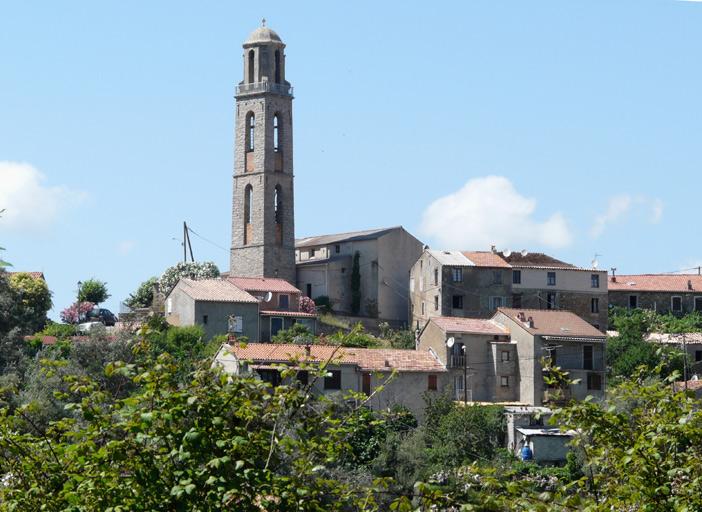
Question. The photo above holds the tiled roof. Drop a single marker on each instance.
(486, 259)
(35, 275)
(263, 284)
(691, 338)
(553, 323)
(534, 260)
(214, 290)
(369, 359)
(692, 385)
(656, 283)
(353, 236)
(468, 325)
(295, 314)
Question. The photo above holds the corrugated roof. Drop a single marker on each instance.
(369, 359)
(263, 284)
(656, 283)
(214, 290)
(468, 325)
(547, 322)
(352, 236)
(451, 258)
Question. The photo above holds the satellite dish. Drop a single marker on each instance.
(507, 253)
(595, 263)
(268, 297)
(450, 342)
(524, 252)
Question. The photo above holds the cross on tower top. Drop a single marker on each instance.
(263, 22)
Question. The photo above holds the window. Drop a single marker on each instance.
(504, 356)
(698, 356)
(278, 204)
(235, 324)
(676, 304)
(303, 377)
(276, 133)
(457, 275)
(496, 302)
(432, 384)
(550, 301)
(516, 277)
(333, 380)
(594, 305)
(595, 281)
(250, 131)
(436, 303)
(594, 381)
(587, 357)
(283, 301)
(422, 308)
(698, 303)
(251, 66)
(308, 290)
(457, 302)
(517, 300)
(551, 279)
(436, 277)
(270, 376)
(633, 301)
(276, 325)
(248, 213)
(277, 66)
(496, 277)
(366, 383)
(411, 284)
(504, 381)
(337, 248)
(204, 319)
(312, 252)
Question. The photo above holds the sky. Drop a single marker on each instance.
(570, 127)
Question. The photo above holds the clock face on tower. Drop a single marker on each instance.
(263, 227)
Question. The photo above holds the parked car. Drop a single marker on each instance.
(102, 315)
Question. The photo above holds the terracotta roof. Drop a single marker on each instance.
(691, 338)
(486, 259)
(468, 325)
(369, 359)
(263, 284)
(553, 323)
(535, 260)
(35, 275)
(656, 283)
(296, 314)
(214, 290)
(353, 236)
(692, 385)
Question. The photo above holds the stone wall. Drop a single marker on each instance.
(656, 301)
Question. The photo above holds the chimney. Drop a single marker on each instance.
(614, 276)
(689, 284)
(308, 350)
(530, 322)
(493, 248)
(387, 363)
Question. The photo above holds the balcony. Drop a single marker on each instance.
(260, 87)
(456, 361)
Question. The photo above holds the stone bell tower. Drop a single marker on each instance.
(263, 227)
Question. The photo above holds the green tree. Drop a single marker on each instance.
(143, 296)
(356, 284)
(93, 290)
(33, 300)
(297, 333)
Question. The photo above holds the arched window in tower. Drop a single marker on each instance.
(251, 66)
(278, 211)
(249, 137)
(276, 132)
(277, 66)
(248, 214)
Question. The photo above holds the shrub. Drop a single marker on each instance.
(61, 331)
(94, 291)
(144, 295)
(33, 299)
(74, 313)
(324, 304)
(307, 305)
(191, 270)
(297, 333)
(358, 337)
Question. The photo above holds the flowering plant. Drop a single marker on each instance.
(74, 313)
(191, 270)
(307, 305)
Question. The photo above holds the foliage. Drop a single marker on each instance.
(184, 344)
(75, 313)
(195, 270)
(331, 320)
(398, 339)
(33, 300)
(3, 264)
(307, 305)
(634, 324)
(624, 356)
(356, 284)
(358, 337)
(296, 333)
(93, 290)
(60, 331)
(324, 304)
(143, 296)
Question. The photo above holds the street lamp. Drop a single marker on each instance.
(449, 343)
(80, 283)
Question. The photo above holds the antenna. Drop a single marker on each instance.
(450, 342)
(595, 262)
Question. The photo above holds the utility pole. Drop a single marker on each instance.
(187, 244)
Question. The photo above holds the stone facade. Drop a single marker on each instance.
(661, 302)
(263, 227)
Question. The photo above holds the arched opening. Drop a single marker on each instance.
(277, 66)
(251, 66)
(278, 211)
(248, 214)
(276, 132)
(250, 131)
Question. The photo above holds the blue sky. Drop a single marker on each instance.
(571, 127)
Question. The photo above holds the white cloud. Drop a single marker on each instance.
(29, 203)
(487, 211)
(620, 206)
(126, 246)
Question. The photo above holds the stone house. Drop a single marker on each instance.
(475, 284)
(664, 293)
(406, 375)
(502, 358)
(256, 308)
(325, 264)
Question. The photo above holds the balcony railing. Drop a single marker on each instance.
(456, 361)
(257, 87)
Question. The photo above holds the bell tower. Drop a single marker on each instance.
(263, 227)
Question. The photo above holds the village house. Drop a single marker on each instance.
(664, 293)
(405, 375)
(476, 283)
(325, 265)
(256, 308)
(501, 358)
